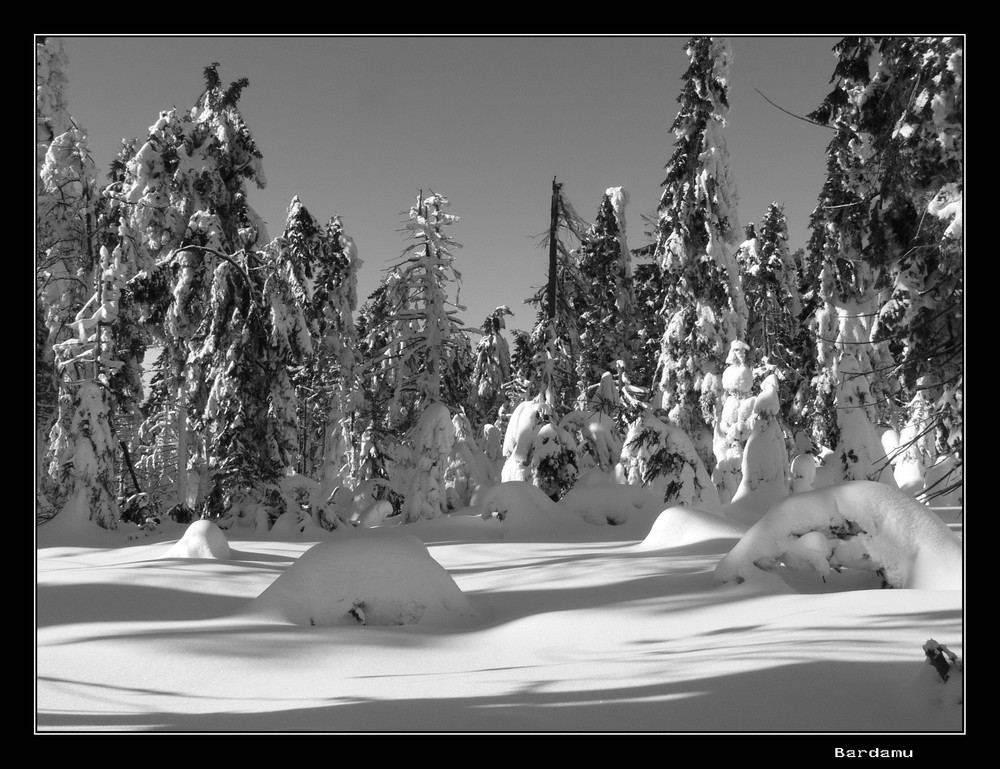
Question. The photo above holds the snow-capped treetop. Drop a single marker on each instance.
(51, 115)
(604, 299)
(619, 197)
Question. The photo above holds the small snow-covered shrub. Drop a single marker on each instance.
(661, 455)
(526, 512)
(851, 525)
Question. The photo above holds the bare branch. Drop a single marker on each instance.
(798, 117)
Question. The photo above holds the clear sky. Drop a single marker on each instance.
(356, 126)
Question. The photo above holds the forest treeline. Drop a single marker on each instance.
(189, 365)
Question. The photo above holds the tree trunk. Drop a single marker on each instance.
(553, 266)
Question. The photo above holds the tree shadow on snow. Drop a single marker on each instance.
(818, 697)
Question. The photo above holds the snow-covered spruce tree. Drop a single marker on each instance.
(83, 448)
(607, 311)
(65, 237)
(253, 332)
(771, 285)
(371, 432)
(491, 369)
(915, 119)
(646, 281)
(840, 254)
(75, 274)
(595, 425)
(325, 264)
(868, 230)
(181, 201)
(538, 450)
(660, 455)
(419, 355)
(547, 356)
(469, 468)
(696, 236)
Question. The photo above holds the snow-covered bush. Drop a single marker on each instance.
(852, 525)
(83, 453)
(524, 511)
(469, 470)
(765, 466)
(732, 428)
(660, 455)
(433, 438)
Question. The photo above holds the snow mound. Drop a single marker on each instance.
(367, 577)
(634, 508)
(679, 526)
(526, 512)
(855, 524)
(296, 524)
(202, 539)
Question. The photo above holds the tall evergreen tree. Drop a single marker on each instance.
(182, 209)
(696, 235)
(888, 230)
(418, 360)
(326, 262)
(848, 277)
(916, 125)
(83, 448)
(607, 313)
(775, 332)
(546, 359)
(85, 353)
(252, 334)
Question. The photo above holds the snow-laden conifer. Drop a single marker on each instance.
(324, 262)
(895, 158)
(66, 212)
(417, 357)
(765, 469)
(658, 454)
(491, 369)
(253, 334)
(83, 449)
(181, 209)
(696, 236)
(545, 360)
(607, 312)
(841, 249)
(916, 118)
(775, 331)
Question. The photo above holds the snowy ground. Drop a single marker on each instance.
(560, 626)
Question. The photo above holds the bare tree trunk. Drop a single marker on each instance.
(553, 265)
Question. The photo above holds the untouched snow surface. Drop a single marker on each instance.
(596, 614)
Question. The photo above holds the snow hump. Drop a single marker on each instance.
(380, 576)
(202, 539)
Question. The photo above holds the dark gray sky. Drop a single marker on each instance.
(356, 126)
